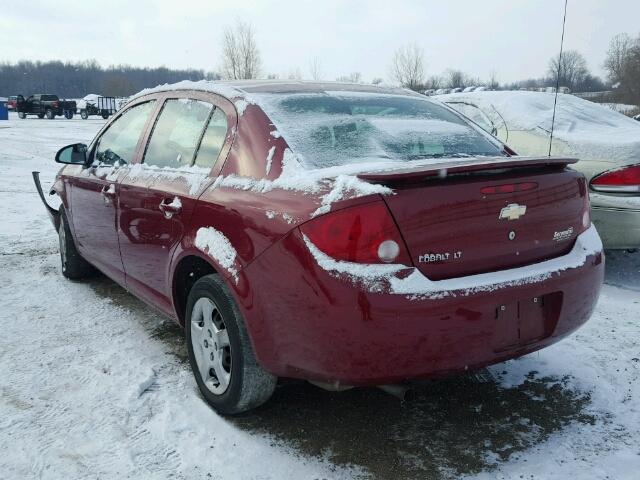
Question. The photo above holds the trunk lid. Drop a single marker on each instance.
(485, 216)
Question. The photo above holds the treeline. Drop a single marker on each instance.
(75, 80)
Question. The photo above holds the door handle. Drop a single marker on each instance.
(109, 191)
(170, 206)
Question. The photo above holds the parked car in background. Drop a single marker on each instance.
(606, 142)
(343, 234)
(637, 117)
(97, 105)
(44, 105)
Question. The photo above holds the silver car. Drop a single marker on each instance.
(606, 142)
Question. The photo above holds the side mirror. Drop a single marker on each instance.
(75, 154)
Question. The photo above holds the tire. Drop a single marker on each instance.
(105, 115)
(74, 267)
(68, 114)
(83, 114)
(50, 115)
(22, 115)
(233, 381)
(41, 115)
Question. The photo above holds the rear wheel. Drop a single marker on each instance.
(50, 115)
(220, 351)
(74, 267)
(83, 114)
(22, 115)
(41, 115)
(68, 114)
(105, 115)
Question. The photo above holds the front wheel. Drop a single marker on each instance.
(220, 352)
(22, 115)
(83, 114)
(50, 115)
(74, 267)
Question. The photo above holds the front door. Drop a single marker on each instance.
(94, 191)
(158, 196)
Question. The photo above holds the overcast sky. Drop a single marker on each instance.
(514, 38)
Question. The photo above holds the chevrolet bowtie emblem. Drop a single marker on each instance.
(513, 211)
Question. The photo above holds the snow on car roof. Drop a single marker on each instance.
(244, 88)
(577, 120)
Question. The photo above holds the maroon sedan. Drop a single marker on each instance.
(343, 234)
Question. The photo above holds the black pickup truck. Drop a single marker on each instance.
(44, 105)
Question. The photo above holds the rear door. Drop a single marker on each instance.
(94, 192)
(158, 196)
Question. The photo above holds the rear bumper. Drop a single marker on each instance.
(316, 322)
(619, 228)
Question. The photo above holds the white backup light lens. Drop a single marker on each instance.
(388, 251)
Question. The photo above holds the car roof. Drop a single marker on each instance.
(304, 86)
(245, 88)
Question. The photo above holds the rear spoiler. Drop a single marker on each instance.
(463, 165)
(54, 214)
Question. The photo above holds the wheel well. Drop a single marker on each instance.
(189, 271)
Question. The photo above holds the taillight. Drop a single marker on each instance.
(55, 104)
(361, 234)
(623, 180)
(586, 212)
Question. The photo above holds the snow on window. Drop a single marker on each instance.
(339, 128)
(217, 246)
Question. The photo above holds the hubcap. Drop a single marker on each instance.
(210, 343)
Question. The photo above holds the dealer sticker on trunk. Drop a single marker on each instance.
(563, 234)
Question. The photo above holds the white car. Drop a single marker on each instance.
(606, 142)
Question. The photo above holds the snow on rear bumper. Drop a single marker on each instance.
(409, 281)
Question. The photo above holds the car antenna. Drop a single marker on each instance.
(555, 100)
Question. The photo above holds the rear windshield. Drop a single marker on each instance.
(338, 128)
(48, 98)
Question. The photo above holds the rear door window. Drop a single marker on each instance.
(177, 133)
(118, 144)
(212, 140)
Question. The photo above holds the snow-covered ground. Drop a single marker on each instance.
(94, 384)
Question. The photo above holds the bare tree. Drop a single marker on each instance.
(493, 83)
(571, 69)
(240, 54)
(455, 79)
(407, 66)
(353, 77)
(434, 82)
(315, 69)
(623, 66)
(377, 81)
(617, 56)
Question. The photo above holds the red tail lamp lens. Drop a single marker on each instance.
(361, 234)
(623, 180)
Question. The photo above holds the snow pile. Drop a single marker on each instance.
(402, 280)
(589, 129)
(217, 246)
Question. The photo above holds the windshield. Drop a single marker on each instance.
(338, 128)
